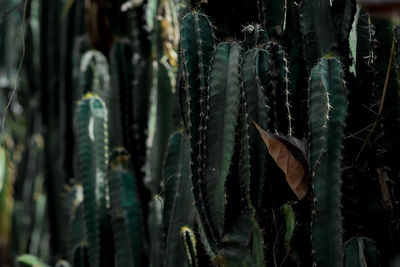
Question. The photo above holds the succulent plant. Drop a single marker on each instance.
(289, 125)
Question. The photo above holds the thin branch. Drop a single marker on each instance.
(367, 139)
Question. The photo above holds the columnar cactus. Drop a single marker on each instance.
(202, 189)
(328, 110)
(198, 43)
(178, 209)
(91, 116)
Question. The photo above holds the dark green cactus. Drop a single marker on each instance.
(213, 113)
(255, 62)
(189, 241)
(328, 107)
(224, 99)
(325, 28)
(297, 71)
(254, 35)
(75, 216)
(155, 226)
(198, 43)
(121, 79)
(361, 252)
(81, 256)
(94, 74)
(276, 89)
(217, 197)
(318, 29)
(92, 136)
(178, 200)
(124, 187)
(164, 123)
(125, 253)
(274, 13)
(139, 104)
(80, 47)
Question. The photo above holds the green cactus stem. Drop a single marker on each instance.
(81, 256)
(121, 173)
(121, 82)
(119, 169)
(318, 30)
(198, 43)
(75, 217)
(91, 116)
(224, 100)
(95, 75)
(361, 252)
(328, 110)
(277, 89)
(178, 208)
(257, 110)
(164, 124)
(275, 13)
(189, 241)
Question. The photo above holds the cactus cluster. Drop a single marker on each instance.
(191, 141)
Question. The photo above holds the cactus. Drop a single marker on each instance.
(255, 63)
(361, 252)
(126, 200)
(324, 28)
(211, 195)
(224, 99)
(274, 16)
(121, 79)
(164, 123)
(328, 106)
(75, 217)
(123, 238)
(197, 46)
(94, 74)
(155, 226)
(81, 256)
(254, 35)
(220, 232)
(276, 89)
(189, 240)
(93, 158)
(178, 200)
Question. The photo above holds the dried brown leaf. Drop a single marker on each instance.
(290, 158)
(383, 181)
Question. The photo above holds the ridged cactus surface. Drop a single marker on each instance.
(328, 110)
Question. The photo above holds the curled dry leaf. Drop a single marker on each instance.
(289, 154)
